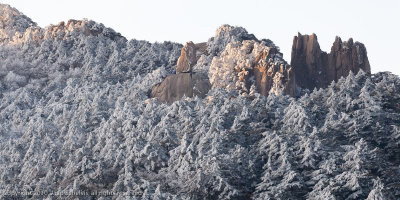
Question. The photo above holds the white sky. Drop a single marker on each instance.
(370, 22)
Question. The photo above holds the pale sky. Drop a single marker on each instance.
(374, 23)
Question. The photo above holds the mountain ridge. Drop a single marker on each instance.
(233, 65)
(76, 119)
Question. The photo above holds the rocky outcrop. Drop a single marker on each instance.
(175, 86)
(189, 55)
(224, 35)
(247, 63)
(314, 68)
(232, 59)
(185, 82)
(272, 74)
(345, 57)
(308, 61)
(17, 28)
(236, 60)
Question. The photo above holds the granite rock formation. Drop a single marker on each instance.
(273, 74)
(189, 55)
(231, 59)
(247, 63)
(185, 82)
(315, 68)
(175, 86)
(224, 35)
(345, 57)
(236, 60)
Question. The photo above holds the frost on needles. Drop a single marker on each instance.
(75, 116)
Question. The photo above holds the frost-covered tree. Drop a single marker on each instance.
(376, 193)
(75, 115)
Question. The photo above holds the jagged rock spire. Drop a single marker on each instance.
(317, 69)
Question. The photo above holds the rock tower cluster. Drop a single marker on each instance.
(234, 59)
(316, 69)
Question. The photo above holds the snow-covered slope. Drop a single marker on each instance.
(75, 118)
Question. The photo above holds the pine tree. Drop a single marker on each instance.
(377, 193)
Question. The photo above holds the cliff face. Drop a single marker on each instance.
(273, 76)
(236, 60)
(308, 61)
(233, 59)
(185, 82)
(189, 55)
(315, 68)
(175, 86)
(345, 57)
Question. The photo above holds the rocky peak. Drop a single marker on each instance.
(244, 64)
(18, 28)
(314, 68)
(234, 32)
(185, 82)
(12, 22)
(345, 57)
(308, 61)
(226, 34)
(189, 55)
(84, 27)
(236, 60)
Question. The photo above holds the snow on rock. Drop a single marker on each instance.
(75, 118)
(12, 23)
(247, 63)
(218, 60)
(223, 36)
